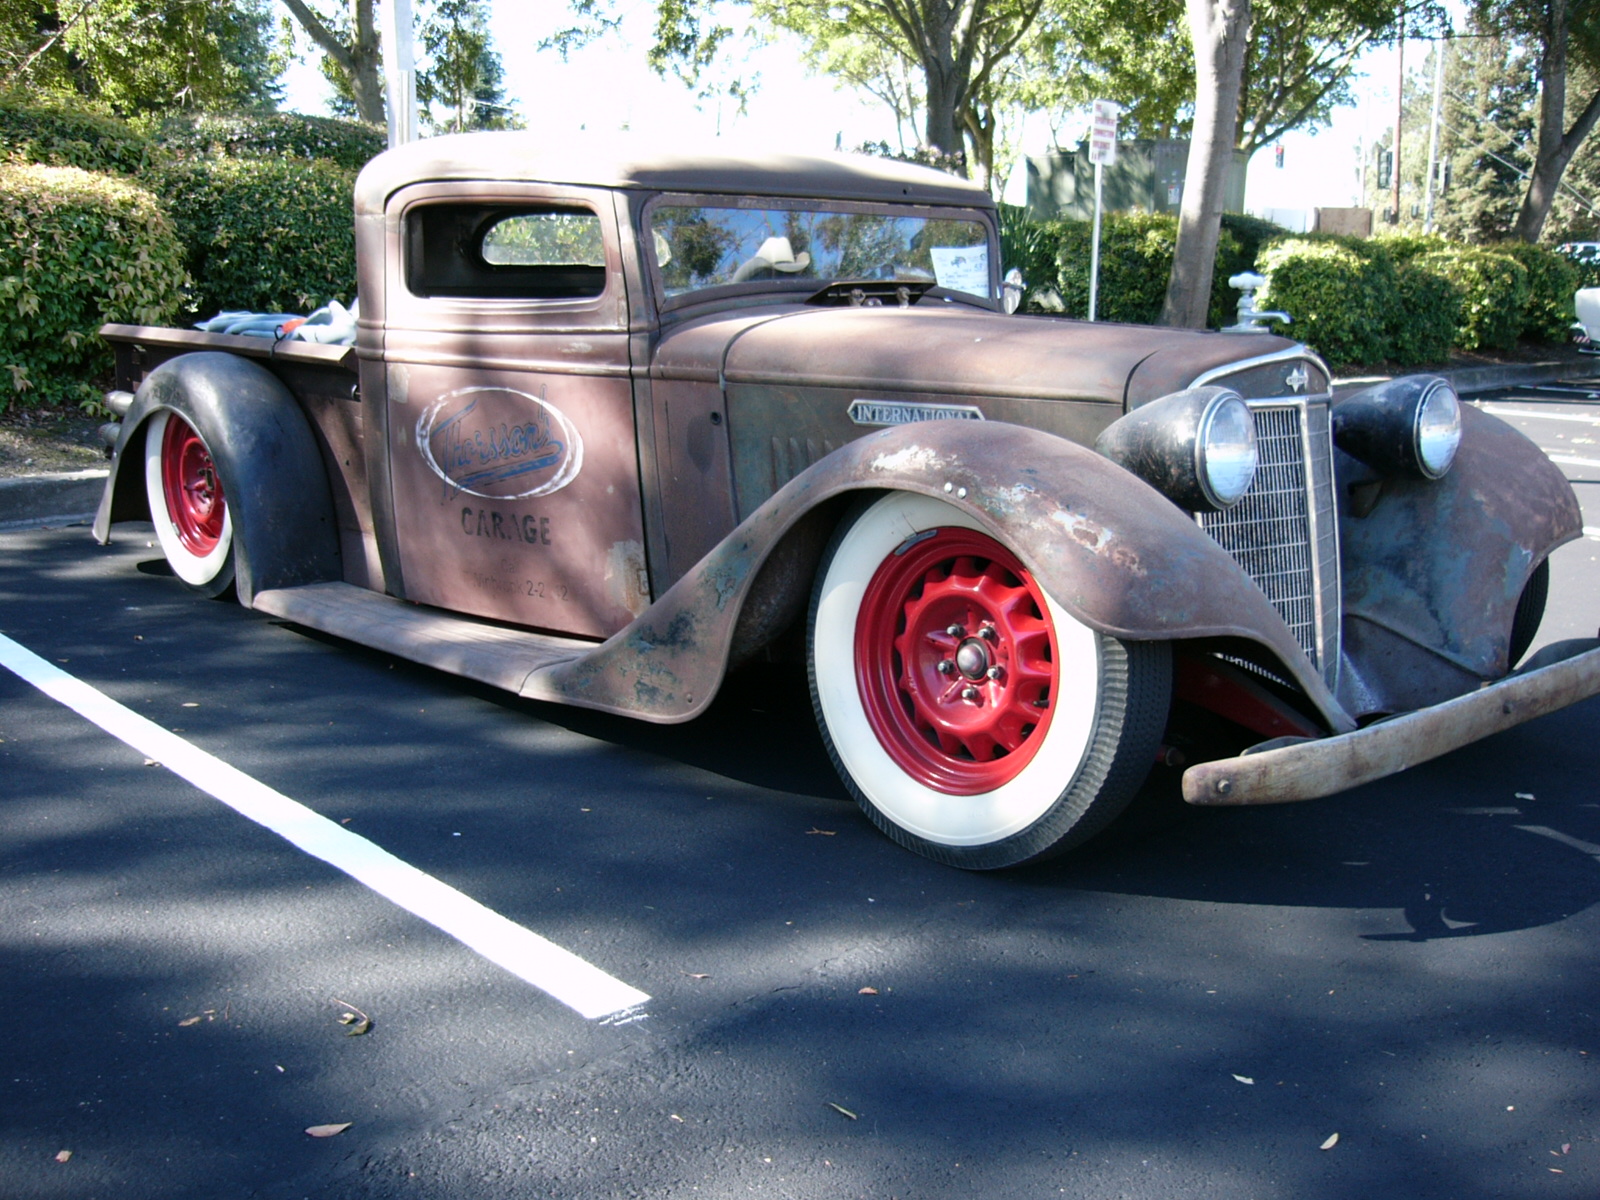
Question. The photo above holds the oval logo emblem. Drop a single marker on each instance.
(499, 443)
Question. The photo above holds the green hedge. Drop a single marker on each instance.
(270, 135)
(263, 234)
(65, 137)
(77, 249)
(1341, 292)
(1494, 294)
(1552, 279)
(1423, 324)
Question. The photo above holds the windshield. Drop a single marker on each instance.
(707, 245)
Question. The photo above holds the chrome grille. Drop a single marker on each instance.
(1283, 533)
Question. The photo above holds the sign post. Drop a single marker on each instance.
(1102, 150)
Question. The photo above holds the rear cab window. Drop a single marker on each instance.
(504, 252)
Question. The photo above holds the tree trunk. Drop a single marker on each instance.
(366, 79)
(359, 61)
(941, 122)
(1557, 144)
(1220, 31)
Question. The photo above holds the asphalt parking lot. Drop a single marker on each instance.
(1391, 992)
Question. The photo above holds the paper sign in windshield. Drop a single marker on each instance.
(962, 268)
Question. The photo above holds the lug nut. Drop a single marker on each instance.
(956, 631)
(946, 666)
(987, 633)
(995, 673)
(969, 693)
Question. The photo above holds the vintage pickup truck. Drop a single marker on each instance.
(613, 425)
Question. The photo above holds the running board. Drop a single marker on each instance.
(492, 654)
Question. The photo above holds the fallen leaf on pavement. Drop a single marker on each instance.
(868, 991)
(188, 1021)
(353, 1019)
(823, 832)
(1333, 1140)
(697, 975)
(1244, 1079)
(1524, 795)
(323, 1131)
(839, 1108)
(63, 1155)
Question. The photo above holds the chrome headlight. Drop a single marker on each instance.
(1197, 447)
(1409, 426)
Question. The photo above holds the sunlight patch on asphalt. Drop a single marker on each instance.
(579, 985)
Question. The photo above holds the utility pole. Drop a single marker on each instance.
(1399, 115)
(399, 71)
(1441, 47)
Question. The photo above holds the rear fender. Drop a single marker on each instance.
(267, 461)
(1111, 550)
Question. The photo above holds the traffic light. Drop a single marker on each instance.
(1277, 156)
(1385, 167)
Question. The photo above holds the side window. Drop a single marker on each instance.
(498, 252)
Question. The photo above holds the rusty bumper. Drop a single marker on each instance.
(1284, 770)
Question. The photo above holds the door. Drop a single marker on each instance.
(510, 431)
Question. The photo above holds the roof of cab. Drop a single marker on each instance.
(529, 157)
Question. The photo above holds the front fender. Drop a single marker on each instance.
(1505, 507)
(267, 461)
(1112, 551)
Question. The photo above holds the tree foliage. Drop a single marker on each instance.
(461, 89)
(137, 57)
(1564, 36)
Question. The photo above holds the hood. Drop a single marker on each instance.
(950, 349)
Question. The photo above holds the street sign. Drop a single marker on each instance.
(1103, 132)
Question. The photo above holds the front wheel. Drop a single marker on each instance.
(187, 504)
(974, 720)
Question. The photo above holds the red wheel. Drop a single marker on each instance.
(973, 718)
(955, 661)
(187, 504)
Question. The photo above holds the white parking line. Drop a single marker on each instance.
(1572, 460)
(563, 975)
(1531, 414)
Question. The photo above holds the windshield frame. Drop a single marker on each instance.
(797, 290)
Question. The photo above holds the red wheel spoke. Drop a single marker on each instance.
(193, 495)
(954, 654)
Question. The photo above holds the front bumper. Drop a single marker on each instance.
(1288, 769)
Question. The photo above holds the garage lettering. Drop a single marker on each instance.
(487, 523)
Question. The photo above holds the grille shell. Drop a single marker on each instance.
(1284, 533)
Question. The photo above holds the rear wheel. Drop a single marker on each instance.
(975, 720)
(187, 504)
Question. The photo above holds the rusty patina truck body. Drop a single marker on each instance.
(613, 425)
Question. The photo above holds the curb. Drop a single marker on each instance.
(1469, 381)
(40, 501)
(71, 498)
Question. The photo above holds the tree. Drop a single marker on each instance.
(1219, 30)
(956, 46)
(1566, 33)
(1297, 68)
(351, 56)
(464, 78)
(142, 56)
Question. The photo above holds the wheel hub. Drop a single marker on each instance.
(972, 659)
